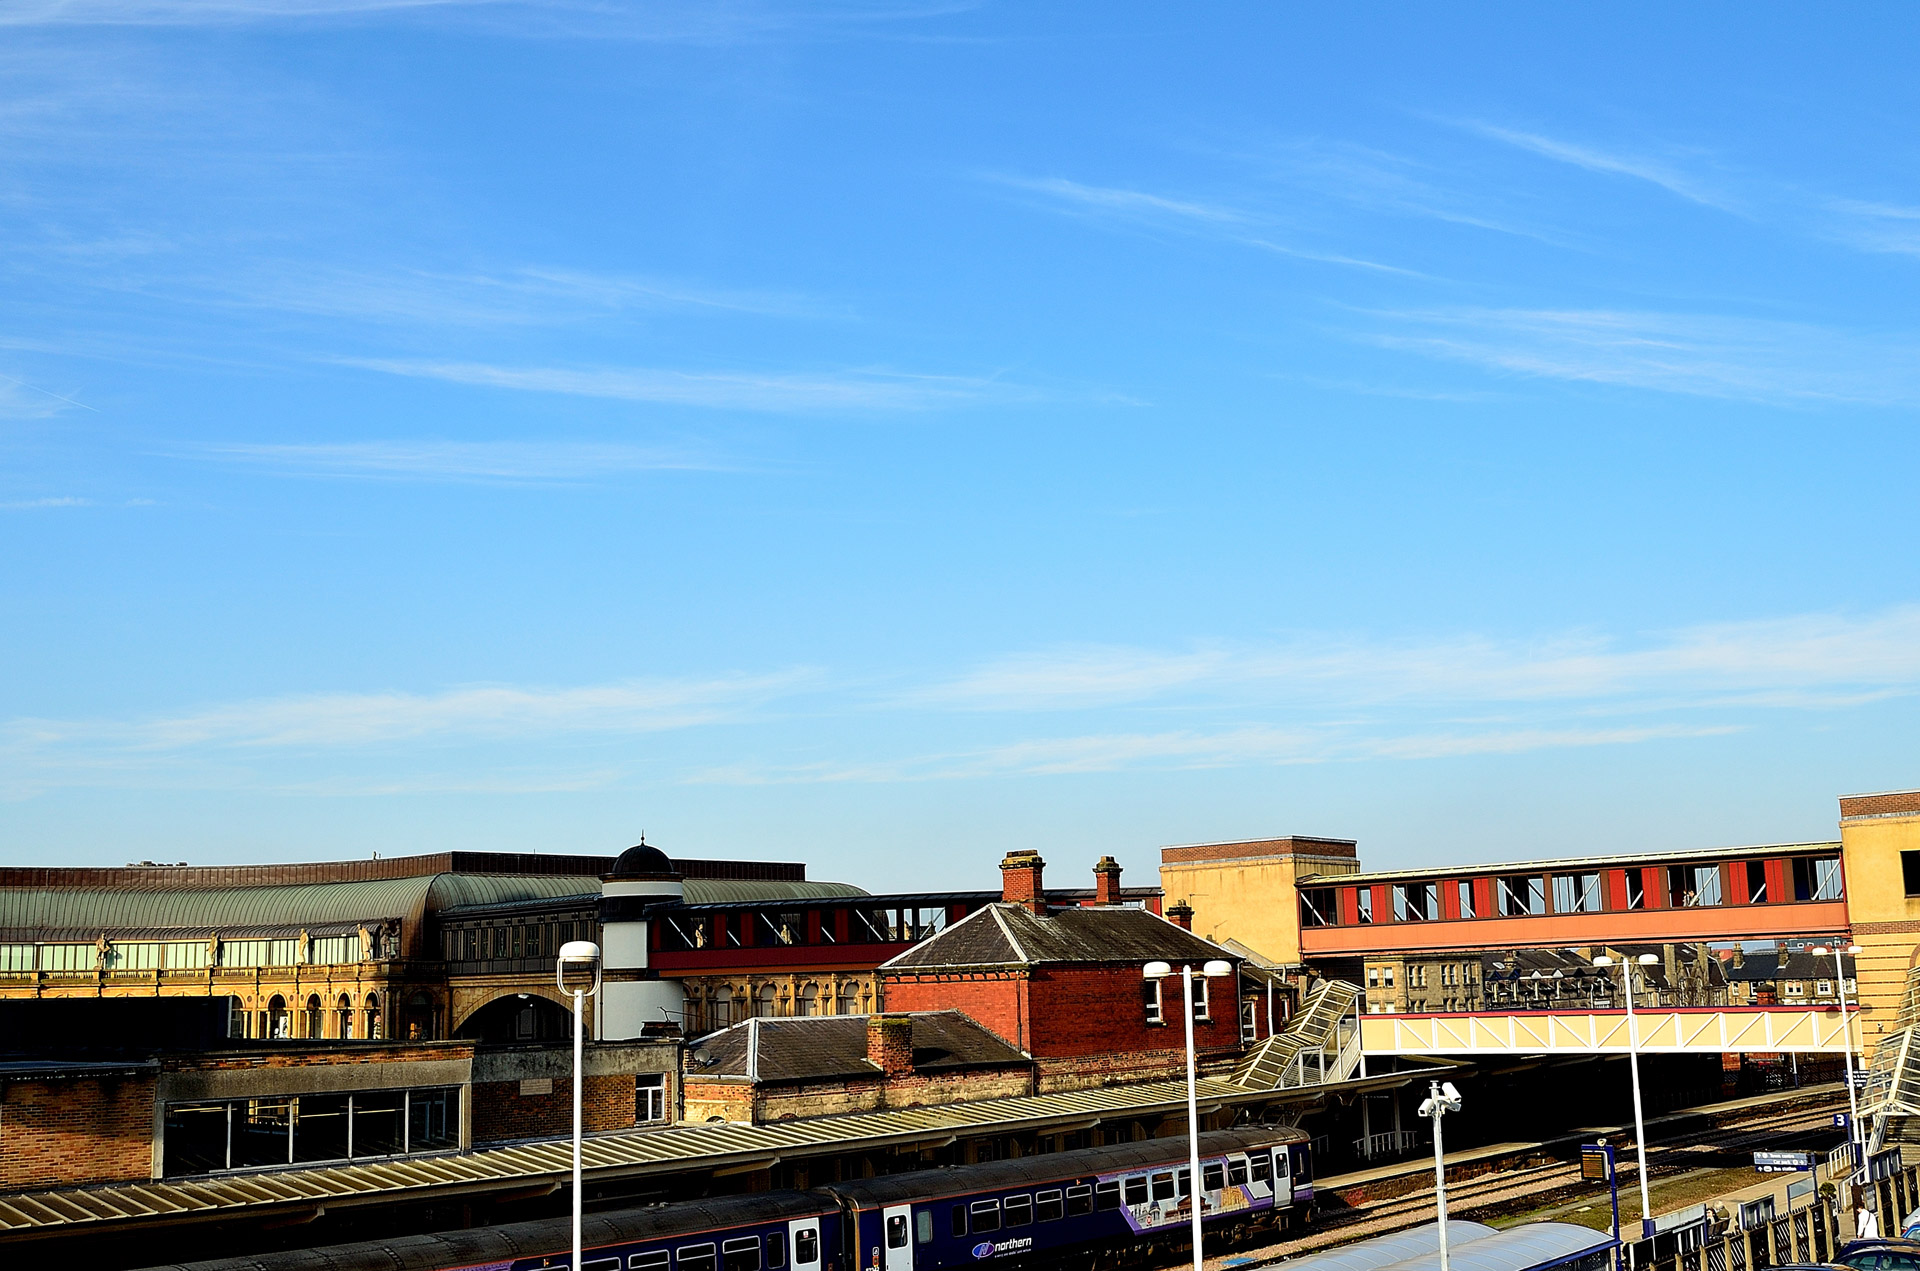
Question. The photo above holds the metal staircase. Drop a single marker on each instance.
(1891, 1100)
(1319, 1045)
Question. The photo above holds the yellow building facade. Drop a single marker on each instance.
(1880, 852)
(1245, 890)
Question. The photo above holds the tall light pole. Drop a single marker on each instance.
(1159, 971)
(1442, 1100)
(1626, 966)
(1846, 1037)
(584, 957)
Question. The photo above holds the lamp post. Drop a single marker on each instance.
(1626, 966)
(1442, 1099)
(1846, 1038)
(584, 956)
(1159, 971)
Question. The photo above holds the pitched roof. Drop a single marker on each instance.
(820, 1047)
(1796, 964)
(1006, 935)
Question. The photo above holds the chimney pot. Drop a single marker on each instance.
(1106, 881)
(890, 1043)
(1020, 881)
(1180, 914)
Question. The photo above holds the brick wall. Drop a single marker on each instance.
(1892, 804)
(1255, 848)
(996, 1001)
(854, 1094)
(501, 1112)
(1085, 1011)
(70, 1133)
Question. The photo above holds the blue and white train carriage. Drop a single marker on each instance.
(1065, 1208)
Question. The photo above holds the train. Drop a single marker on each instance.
(1106, 1206)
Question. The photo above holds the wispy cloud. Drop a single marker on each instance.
(1661, 173)
(486, 461)
(59, 501)
(1188, 215)
(1702, 355)
(1191, 750)
(21, 400)
(838, 390)
(1877, 227)
(1705, 665)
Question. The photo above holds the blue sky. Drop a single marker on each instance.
(886, 435)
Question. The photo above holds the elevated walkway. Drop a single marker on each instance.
(1661, 1030)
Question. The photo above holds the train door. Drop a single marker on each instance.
(803, 1237)
(896, 1228)
(1282, 1177)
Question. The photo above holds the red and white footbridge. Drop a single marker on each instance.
(1658, 1030)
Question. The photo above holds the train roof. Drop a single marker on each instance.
(1471, 1246)
(1052, 1166)
(516, 1240)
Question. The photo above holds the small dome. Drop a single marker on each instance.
(643, 862)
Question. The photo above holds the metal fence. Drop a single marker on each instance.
(1758, 1238)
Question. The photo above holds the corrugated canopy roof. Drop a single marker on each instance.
(618, 1155)
(1006, 935)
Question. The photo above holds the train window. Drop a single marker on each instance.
(1213, 1176)
(776, 1249)
(896, 1232)
(1080, 1200)
(695, 1257)
(1236, 1171)
(1260, 1166)
(1019, 1210)
(651, 1260)
(1047, 1206)
(744, 1254)
(1186, 1181)
(985, 1215)
(806, 1248)
(1161, 1186)
(959, 1220)
(601, 1264)
(923, 1226)
(1302, 1164)
(1107, 1195)
(1136, 1189)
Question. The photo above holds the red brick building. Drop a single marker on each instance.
(1065, 984)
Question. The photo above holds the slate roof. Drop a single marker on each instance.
(1775, 965)
(822, 1047)
(1005, 935)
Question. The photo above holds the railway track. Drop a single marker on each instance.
(1490, 1195)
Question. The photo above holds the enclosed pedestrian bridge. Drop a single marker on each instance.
(1657, 1030)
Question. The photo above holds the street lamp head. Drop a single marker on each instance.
(582, 957)
(1216, 967)
(579, 951)
(1156, 971)
(1603, 960)
(1648, 959)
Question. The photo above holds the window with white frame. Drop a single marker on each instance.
(1150, 1001)
(1200, 998)
(650, 1097)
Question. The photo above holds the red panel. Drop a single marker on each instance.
(1483, 896)
(1614, 882)
(1349, 907)
(1449, 898)
(1777, 882)
(1382, 906)
(1733, 883)
(1650, 926)
(1655, 880)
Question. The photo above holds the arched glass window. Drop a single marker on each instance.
(345, 1009)
(374, 1027)
(720, 1008)
(316, 1020)
(279, 1019)
(809, 1001)
(768, 1005)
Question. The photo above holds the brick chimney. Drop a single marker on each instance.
(1180, 914)
(1106, 881)
(890, 1043)
(1020, 881)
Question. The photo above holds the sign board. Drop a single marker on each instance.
(1859, 1078)
(1841, 1120)
(1596, 1164)
(1782, 1162)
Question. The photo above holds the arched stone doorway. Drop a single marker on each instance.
(518, 1017)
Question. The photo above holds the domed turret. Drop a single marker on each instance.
(642, 861)
(642, 880)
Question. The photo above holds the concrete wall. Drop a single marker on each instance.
(1246, 892)
(1874, 830)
